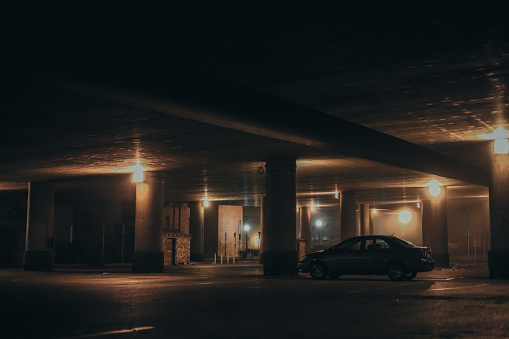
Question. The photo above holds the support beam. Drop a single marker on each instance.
(365, 220)
(348, 215)
(39, 232)
(279, 244)
(196, 229)
(218, 101)
(498, 256)
(148, 241)
(305, 226)
(434, 226)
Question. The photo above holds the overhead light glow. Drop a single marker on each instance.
(405, 216)
(501, 146)
(246, 228)
(206, 202)
(137, 172)
(434, 187)
(336, 195)
(499, 133)
(319, 223)
(374, 210)
(312, 207)
(256, 241)
(419, 204)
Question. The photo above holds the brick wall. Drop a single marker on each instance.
(183, 251)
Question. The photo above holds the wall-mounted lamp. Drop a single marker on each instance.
(374, 211)
(419, 204)
(501, 146)
(434, 187)
(137, 173)
(206, 202)
(405, 216)
(336, 195)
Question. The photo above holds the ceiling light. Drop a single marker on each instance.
(434, 187)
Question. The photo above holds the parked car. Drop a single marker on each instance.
(372, 254)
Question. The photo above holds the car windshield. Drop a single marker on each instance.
(403, 242)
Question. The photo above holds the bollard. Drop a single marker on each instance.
(215, 259)
(233, 259)
(221, 259)
(227, 258)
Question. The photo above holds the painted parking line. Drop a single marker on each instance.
(457, 288)
(386, 287)
(99, 334)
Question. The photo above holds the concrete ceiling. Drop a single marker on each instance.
(373, 105)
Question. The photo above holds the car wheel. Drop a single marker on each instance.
(410, 275)
(396, 271)
(318, 271)
(334, 276)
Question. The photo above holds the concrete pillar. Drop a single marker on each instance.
(348, 215)
(434, 226)
(197, 229)
(39, 231)
(262, 227)
(498, 256)
(279, 243)
(364, 217)
(305, 226)
(148, 239)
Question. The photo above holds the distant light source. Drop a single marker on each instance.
(336, 195)
(246, 228)
(501, 146)
(419, 204)
(206, 202)
(374, 211)
(319, 223)
(137, 173)
(405, 216)
(297, 208)
(312, 207)
(256, 241)
(434, 187)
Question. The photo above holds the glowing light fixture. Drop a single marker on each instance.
(500, 135)
(501, 146)
(137, 172)
(434, 187)
(246, 227)
(336, 195)
(318, 223)
(374, 211)
(297, 208)
(312, 207)
(419, 204)
(405, 216)
(206, 202)
(256, 241)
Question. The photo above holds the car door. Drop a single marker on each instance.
(378, 252)
(348, 259)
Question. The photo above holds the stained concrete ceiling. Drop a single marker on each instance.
(208, 98)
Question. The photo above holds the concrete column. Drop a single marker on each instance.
(148, 239)
(498, 256)
(366, 225)
(434, 226)
(197, 229)
(348, 215)
(39, 231)
(305, 226)
(262, 226)
(279, 243)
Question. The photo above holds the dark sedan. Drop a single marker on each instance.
(373, 254)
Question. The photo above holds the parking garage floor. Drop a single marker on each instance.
(237, 301)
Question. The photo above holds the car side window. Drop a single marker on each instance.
(356, 246)
(381, 244)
